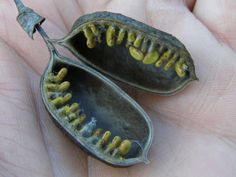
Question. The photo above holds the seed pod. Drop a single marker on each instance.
(88, 94)
(132, 62)
(66, 83)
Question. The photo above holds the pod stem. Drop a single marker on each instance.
(20, 6)
(31, 22)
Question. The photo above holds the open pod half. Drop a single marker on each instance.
(95, 113)
(131, 52)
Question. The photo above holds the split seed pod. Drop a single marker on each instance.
(94, 112)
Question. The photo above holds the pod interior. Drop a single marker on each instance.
(142, 56)
(105, 106)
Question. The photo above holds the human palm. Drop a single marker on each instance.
(195, 130)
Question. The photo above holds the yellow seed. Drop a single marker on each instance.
(115, 143)
(97, 132)
(87, 33)
(94, 138)
(171, 62)
(124, 147)
(121, 36)
(57, 101)
(91, 43)
(71, 116)
(51, 87)
(93, 28)
(61, 74)
(60, 101)
(165, 56)
(51, 77)
(151, 57)
(82, 116)
(136, 54)
(74, 107)
(67, 98)
(64, 86)
(77, 122)
(56, 87)
(105, 138)
(65, 110)
(82, 119)
(110, 36)
(95, 32)
(144, 45)
(180, 72)
(131, 38)
(180, 68)
(138, 41)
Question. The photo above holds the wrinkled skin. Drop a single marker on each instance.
(195, 130)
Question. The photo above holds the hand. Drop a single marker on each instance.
(195, 130)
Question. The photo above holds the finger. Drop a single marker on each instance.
(220, 17)
(22, 149)
(92, 5)
(138, 10)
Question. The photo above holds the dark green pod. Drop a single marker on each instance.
(131, 52)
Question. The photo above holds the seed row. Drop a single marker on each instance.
(57, 91)
(141, 48)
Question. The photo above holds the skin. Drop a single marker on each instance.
(195, 130)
